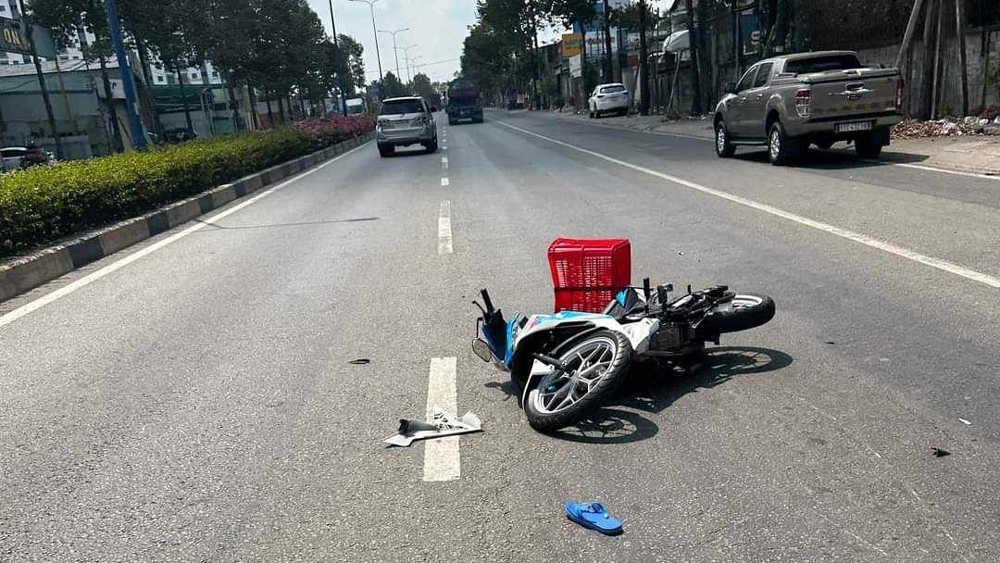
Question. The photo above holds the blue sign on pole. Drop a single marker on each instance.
(135, 125)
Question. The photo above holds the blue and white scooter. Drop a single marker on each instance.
(565, 363)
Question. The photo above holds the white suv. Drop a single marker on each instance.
(609, 98)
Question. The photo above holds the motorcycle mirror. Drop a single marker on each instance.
(482, 349)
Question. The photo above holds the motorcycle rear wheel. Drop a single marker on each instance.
(744, 312)
(598, 363)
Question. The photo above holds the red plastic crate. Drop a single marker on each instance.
(587, 273)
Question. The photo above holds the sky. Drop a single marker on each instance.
(437, 27)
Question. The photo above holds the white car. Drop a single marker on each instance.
(609, 98)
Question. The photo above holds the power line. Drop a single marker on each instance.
(421, 65)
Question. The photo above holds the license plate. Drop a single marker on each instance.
(853, 126)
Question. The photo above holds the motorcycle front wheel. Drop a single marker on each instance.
(596, 365)
(742, 313)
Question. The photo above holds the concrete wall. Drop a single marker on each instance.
(951, 79)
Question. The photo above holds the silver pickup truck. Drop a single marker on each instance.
(788, 102)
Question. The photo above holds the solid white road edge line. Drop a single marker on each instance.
(825, 227)
(115, 266)
(442, 460)
(933, 169)
(882, 162)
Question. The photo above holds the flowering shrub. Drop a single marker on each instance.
(330, 131)
(43, 204)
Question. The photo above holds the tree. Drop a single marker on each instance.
(486, 60)
(66, 19)
(640, 17)
(421, 85)
(355, 60)
(392, 87)
(41, 82)
(569, 13)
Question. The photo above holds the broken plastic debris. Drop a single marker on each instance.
(360, 361)
(441, 424)
(940, 452)
(964, 421)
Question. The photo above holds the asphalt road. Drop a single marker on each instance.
(198, 404)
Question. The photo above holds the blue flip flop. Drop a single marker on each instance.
(593, 515)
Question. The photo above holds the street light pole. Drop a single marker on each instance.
(378, 55)
(413, 66)
(340, 79)
(406, 58)
(394, 51)
(114, 26)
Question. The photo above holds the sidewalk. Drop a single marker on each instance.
(968, 154)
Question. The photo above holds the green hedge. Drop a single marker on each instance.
(44, 204)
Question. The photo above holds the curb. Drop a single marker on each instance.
(29, 272)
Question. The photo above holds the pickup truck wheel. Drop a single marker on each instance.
(779, 147)
(723, 147)
(867, 147)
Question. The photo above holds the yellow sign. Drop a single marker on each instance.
(572, 45)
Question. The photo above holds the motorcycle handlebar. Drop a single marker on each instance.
(486, 300)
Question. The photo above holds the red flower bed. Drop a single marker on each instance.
(332, 130)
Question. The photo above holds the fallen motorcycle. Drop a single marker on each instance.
(565, 363)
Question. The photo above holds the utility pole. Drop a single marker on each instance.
(608, 66)
(406, 61)
(378, 55)
(643, 60)
(138, 138)
(337, 76)
(537, 102)
(30, 31)
(695, 75)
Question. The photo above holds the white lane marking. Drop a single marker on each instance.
(866, 240)
(442, 461)
(875, 161)
(115, 266)
(933, 169)
(444, 162)
(444, 181)
(444, 228)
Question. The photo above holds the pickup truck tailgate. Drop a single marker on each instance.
(844, 94)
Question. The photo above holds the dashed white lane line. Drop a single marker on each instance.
(442, 460)
(444, 162)
(115, 266)
(866, 240)
(445, 182)
(444, 228)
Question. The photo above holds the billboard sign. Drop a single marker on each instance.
(14, 39)
(572, 44)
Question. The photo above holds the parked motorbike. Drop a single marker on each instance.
(565, 363)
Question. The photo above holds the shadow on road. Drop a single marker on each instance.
(652, 387)
(832, 159)
(409, 152)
